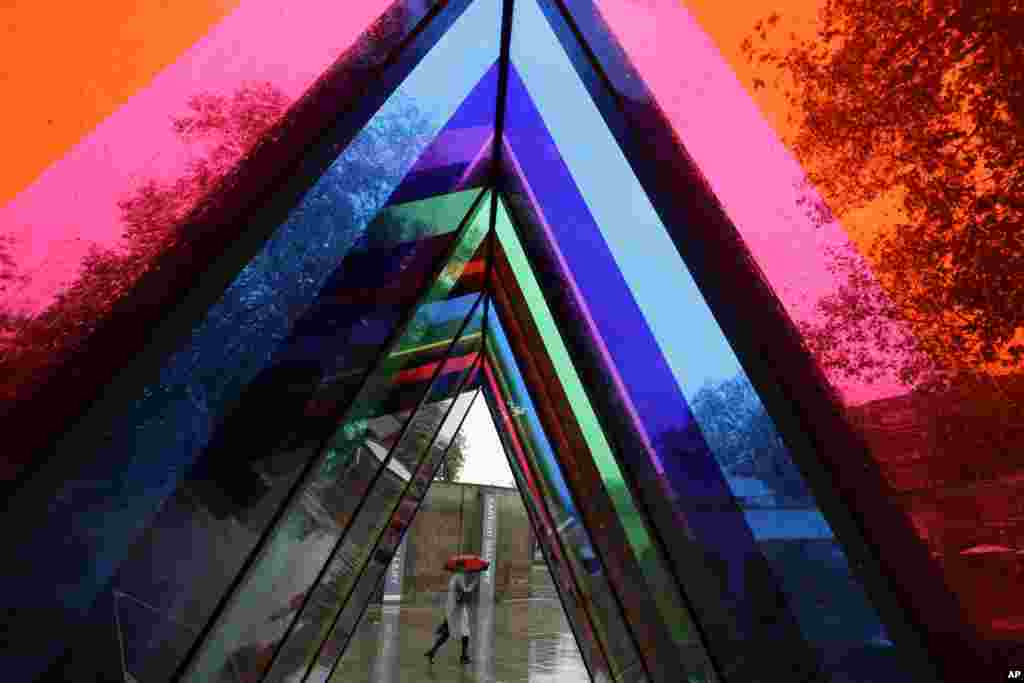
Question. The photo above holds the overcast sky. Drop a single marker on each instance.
(485, 459)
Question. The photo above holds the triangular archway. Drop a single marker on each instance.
(544, 236)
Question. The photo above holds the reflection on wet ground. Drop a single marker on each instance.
(520, 641)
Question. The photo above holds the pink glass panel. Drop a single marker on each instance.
(958, 495)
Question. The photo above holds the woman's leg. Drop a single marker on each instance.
(442, 638)
(465, 635)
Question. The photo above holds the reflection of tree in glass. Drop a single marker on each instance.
(174, 418)
(343, 446)
(743, 437)
(228, 127)
(11, 320)
(924, 104)
(273, 289)
(431, 416)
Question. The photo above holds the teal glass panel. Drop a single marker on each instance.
(416, 220)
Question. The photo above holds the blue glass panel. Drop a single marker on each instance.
(691, 481)
(458, 157)
(927, 592)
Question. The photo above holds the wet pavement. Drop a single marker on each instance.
(517, 641)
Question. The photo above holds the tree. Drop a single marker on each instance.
(11, 320)
(455, 461)
(744, 440)
(922, 103)
(422, 429)
(227, 127)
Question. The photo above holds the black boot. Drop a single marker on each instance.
(441, 638)
(465, 650)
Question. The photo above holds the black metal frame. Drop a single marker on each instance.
(697, 581)
(221, 237)
(666, 667)
(615, 596)
(127, 351)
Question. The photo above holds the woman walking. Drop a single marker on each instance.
(457, 614)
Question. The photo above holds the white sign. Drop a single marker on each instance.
(490, 538)
(393, 581)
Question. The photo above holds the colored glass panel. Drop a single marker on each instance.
(174, 418)
(242, 615)
(162, 216)
(546, 532)
(610, 546)
(698, 442)
(277, 426)
(659, 581)
(374, 531)
(692, 505)
(459, 155)
(415, 220)
(597, 594)
(850, 393)
(331, 648)
(839, 620)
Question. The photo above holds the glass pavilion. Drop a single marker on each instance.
(552, 206)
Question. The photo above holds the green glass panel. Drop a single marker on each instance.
(652, 564)
(418, 220)
(596, 594)
(569, 593)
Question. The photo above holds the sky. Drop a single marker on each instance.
(485, 458)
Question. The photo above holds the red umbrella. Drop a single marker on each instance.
(466, 563)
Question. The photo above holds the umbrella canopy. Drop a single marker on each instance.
(466, 563)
